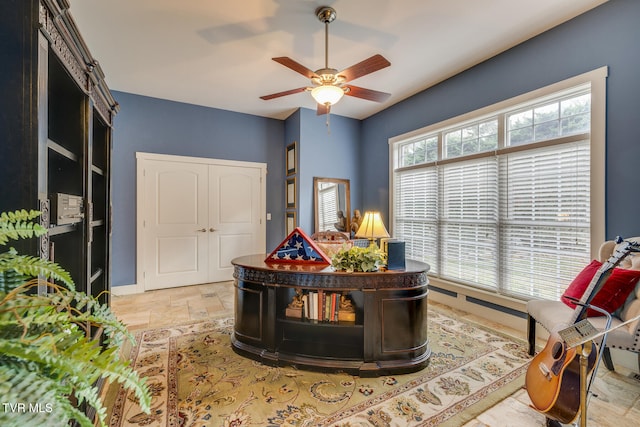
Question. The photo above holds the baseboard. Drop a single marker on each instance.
(628, 359)
(127, 290)
(516, 324)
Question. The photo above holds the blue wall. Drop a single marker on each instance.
(608, 35)
(327, 153)
(154, 125)
(159, 126)
(358, 150)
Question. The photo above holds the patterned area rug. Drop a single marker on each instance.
(197, 380)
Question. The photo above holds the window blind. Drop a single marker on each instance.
(416, 214)
(327, 216)
(544, 219)
(515, 223)
(469, 194)
(507, 209)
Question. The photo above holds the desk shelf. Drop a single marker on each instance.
(388, 336)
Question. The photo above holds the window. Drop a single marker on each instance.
(328, 195)
(471, 139)
(510, 198)
(416, 152)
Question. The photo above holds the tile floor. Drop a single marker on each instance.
(618, 393)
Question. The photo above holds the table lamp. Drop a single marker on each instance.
(372, 227)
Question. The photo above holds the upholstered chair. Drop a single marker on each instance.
(555, 314)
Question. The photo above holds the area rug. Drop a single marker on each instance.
(197, 380)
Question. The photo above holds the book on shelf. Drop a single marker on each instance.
(327, 314)
(313, 306)
(333, 313)
(305, 306)
(322, 306)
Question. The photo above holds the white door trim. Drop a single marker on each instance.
(201, 160)
(140, 158)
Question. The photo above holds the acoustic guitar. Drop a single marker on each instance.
(553, 377)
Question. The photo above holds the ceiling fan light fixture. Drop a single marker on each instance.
(328, 85)
(327, 94)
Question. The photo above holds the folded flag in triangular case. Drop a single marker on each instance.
(298, 248)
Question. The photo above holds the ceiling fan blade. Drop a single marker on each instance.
(285, 93)
(295, 66)
(369, 94)
(368, 66)
(322, 109)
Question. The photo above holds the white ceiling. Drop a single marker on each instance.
(218, 53)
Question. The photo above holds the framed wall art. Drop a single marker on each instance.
(291, 192)
(290, 222)
(291, 158)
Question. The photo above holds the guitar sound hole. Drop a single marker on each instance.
(557, 350)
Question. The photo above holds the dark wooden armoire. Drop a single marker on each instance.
(56, 118)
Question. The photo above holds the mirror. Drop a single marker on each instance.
(331, 199)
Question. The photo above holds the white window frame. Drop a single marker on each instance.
(597, 81)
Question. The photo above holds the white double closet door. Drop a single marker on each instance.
(194, 216)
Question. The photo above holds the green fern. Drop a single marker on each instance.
(21, 386)
(48, 352)
(50, 338)
(16, 269)
(17, 225)
(10, 279)
(29, 266)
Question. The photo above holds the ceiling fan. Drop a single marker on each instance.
(329, 85)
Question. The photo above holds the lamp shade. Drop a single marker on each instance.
(327, 94)
(372, 227)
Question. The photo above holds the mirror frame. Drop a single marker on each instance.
(347, 192)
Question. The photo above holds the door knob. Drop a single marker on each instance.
(202, 230)
(212, 229)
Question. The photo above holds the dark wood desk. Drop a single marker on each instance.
(388, 336)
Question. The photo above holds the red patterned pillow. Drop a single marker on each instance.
(612, 295)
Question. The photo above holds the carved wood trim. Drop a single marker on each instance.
(59, 39)
(44, 222)
(68, 45)
(105, 111)
(380, 280)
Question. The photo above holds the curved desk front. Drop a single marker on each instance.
(388, 335)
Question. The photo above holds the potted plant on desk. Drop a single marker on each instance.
(49, 356)
(359, 259)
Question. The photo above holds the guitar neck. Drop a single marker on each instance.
(595, 285)
(600, 278)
